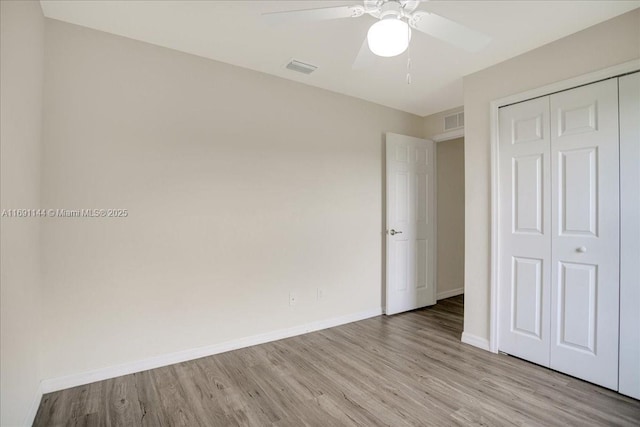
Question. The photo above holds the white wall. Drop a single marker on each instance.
(240, 187)
(603, 45)
(21, 67)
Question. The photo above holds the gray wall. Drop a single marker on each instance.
(240, 187)
(21, 69)
(450, 194)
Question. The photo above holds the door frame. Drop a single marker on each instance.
(437, 140)
(585, 79)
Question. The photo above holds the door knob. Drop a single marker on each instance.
(394, 232)
(581, 249)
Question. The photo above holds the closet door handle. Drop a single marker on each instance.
(581, 249)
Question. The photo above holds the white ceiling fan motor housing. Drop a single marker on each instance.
(381, 8)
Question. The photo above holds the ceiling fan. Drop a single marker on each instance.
(390, 35)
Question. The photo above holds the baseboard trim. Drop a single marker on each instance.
(35, 404)
(475, 341)
(74, 380)
(450, 293)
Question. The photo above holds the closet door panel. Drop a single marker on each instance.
(525, 230)
(585, 232)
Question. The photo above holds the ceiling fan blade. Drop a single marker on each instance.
(365, 57)
(307, 15)
(449, 31)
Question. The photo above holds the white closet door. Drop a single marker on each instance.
(585, 238)
(525, 230)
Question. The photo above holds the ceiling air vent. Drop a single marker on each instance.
(454, 121)
(301, 67)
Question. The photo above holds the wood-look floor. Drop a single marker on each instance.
(408, 369)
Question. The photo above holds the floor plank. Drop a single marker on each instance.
(405, 370)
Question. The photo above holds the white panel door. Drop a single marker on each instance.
(410, 224)
(629, 93)
(525, 242)
(585, 238)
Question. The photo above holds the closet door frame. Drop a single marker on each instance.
(607, 73)
(629, 362)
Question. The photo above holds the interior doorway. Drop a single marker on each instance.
(450, 218)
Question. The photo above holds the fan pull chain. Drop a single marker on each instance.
(408, 55)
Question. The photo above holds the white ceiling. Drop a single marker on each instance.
(234, 32)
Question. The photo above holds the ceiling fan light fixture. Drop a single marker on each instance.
(389, 37)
